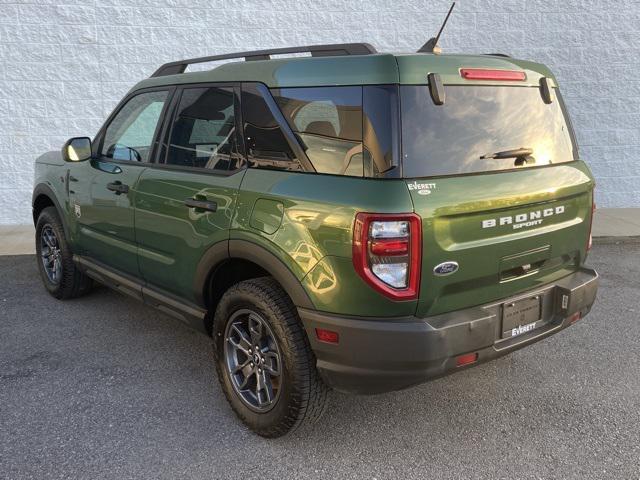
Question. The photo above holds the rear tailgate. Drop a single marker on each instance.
(507, 231)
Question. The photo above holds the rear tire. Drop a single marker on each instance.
(270, 405)
(60, 276)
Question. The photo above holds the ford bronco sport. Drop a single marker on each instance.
(348, 219)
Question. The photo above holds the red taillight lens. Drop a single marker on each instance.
(389, 247)
(575, 317)
(327, 336)
(486, 74)
(387, 253)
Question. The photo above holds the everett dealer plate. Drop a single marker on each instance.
(520, 317)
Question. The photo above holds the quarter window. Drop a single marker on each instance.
(329, 122)
(130, 134)
(204, 130)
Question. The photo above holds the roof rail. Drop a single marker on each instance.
(497, 55)
(337, 49)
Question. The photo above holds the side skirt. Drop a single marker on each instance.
(190, 314)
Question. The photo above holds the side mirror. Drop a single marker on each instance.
(77, 149)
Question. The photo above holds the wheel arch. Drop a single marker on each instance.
(43, 197)
(217, 266)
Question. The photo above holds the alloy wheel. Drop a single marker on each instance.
(253, 360)
(51, 254)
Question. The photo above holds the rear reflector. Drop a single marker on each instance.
(466, 359)
(484, 74)
(327, 336)
(574, 318)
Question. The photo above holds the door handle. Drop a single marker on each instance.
(118, 187)
(201, 204)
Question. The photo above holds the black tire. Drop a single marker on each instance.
(69, 282)
(302, 396)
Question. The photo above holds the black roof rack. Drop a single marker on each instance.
(497, 55)
(337, 49)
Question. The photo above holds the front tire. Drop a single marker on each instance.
(275, 387)
(59, 274)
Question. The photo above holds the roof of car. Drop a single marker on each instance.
(371, 69)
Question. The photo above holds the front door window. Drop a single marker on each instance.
(130, 134)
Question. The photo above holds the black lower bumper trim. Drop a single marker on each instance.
(376, 355)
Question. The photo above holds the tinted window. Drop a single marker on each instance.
(328, 120)
(381, 133)
(204, 130)
(266, 144)
(130, 134)
(477, 122)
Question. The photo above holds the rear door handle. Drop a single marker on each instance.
(118, 187)
(201, 204)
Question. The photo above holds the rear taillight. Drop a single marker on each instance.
(488, 74)
(387, 251)
(593, 211)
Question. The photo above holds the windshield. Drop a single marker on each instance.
(481, 129)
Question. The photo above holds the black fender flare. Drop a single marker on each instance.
(245, 250)
(46, 190)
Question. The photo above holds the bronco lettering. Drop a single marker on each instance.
(530, 219)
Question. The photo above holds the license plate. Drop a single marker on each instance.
(520, 317)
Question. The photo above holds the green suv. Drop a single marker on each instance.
(344, 219)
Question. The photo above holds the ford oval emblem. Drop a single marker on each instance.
(445, 268)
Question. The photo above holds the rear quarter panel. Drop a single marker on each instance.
(313, 236)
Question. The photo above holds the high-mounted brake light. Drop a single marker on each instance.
(387, 251)
(486, 74)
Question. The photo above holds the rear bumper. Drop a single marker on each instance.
(386, 354)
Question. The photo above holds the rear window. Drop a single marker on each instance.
(481, 121)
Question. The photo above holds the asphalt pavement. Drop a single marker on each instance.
(105, 387)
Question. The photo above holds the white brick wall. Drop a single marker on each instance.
(64, 64)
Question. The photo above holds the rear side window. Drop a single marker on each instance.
(345, 130)
(478, 128)
(204, 130)
(130, 134)
(328, 121)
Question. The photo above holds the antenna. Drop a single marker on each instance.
(432, 45)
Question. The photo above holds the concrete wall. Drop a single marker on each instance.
(64, 64)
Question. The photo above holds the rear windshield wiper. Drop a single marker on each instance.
(516, 153)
